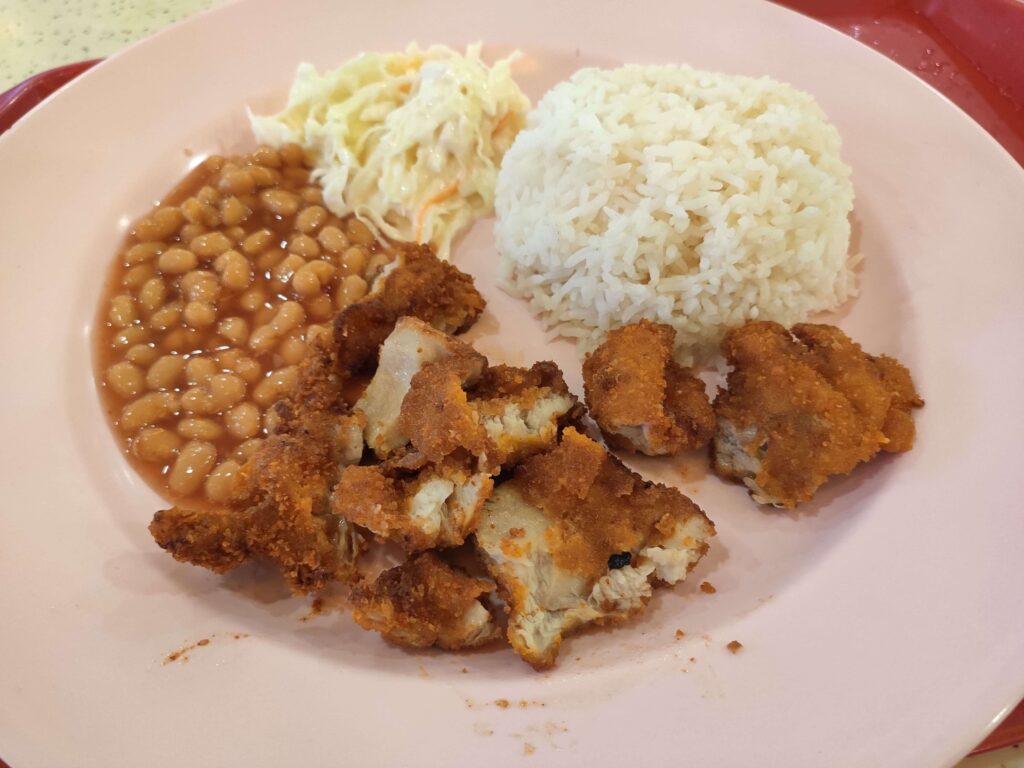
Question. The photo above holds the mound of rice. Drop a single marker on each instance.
(692, 198)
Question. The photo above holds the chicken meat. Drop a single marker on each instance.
(641, 399)
(418, 285)
(576, 538)
(406, 350)
(282, 505)
(805, 405)
(444, 423)
(425, 602)
(434, 505)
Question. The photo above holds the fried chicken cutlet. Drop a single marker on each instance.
(643, 400)
(444, 423)
(417, 285)
(282, 506)
(804, 405)
(576, 538)
(425, 602)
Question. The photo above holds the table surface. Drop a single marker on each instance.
(36, 35)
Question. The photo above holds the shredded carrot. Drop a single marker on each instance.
(440, 197)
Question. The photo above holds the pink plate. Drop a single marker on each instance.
(875, 622)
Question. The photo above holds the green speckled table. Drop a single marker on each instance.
(39, 34)
(36, 35)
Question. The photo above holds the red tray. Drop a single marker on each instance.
(970, 50)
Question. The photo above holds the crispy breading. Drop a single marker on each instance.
(844, 365)
(576, 538)
(412, 345)
(425, 602)
(598, 506)
(214, 538)
(436, 415)
(501, 381)
(421, 286)
(282, 510)
(280, 505)
(319, 387)
(436, 505)
(290, 478)
(643, 400)
(523, 409)
(804, 406)
(899, 422)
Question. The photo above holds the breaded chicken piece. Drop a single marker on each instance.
(410, 346)
(290, 479)
(576, 538)
(281, 507)
(439, 394)
(425, 602)
(436, 416)
(522, 410)
(507, 413)
(282, 510)
(802, 406)
(899, 426)
(436, 505)
(643, 400)
(458, 424)
(212, 538)
(419, 285)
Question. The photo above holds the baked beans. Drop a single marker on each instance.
(209, 309)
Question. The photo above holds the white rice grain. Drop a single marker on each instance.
(691, 198)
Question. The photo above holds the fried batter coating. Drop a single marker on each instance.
(522, 410)
(576, 538)
(436, 505)
(214, 539)
(282, 509)
(410, 346)
(281, 506)
(425, 602)
(804, 406)
(499, 416)
(436, 415)
(444, 423)
(290, 521)
(899, 422)
(641, 398)
(420, 286)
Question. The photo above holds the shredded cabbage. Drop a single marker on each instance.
(409, 142)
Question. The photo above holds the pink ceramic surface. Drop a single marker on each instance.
(873, 621)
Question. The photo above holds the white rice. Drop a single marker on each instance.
(691, 198)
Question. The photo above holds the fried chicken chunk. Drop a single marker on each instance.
(437, 505)
(804, 405)
(643, 400)
(444, 423)
(522, 409)
(576, 538)
(425, 602)
(506, 415)
(418, 285)
(410, 346)
(281, 507)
